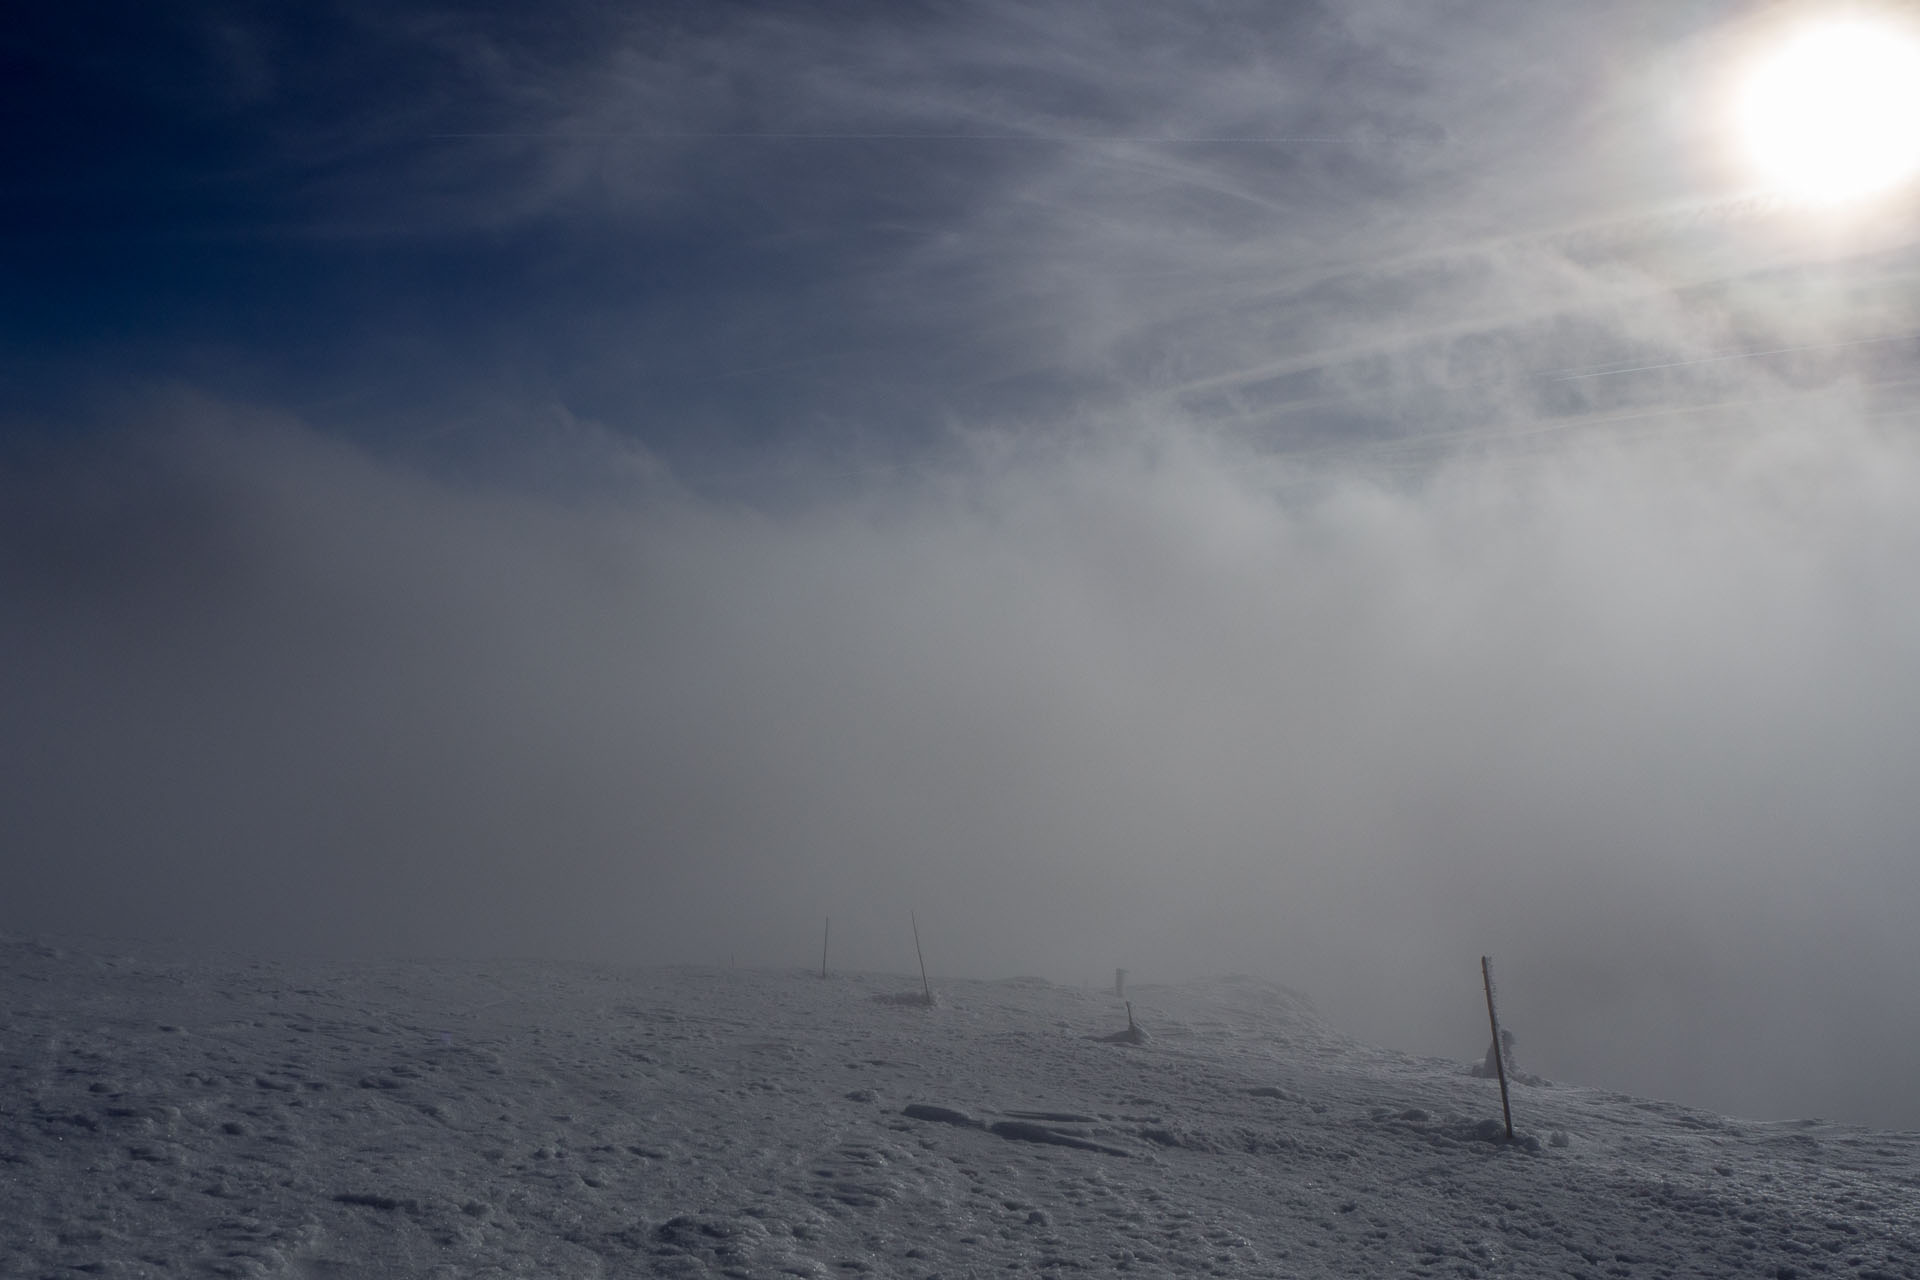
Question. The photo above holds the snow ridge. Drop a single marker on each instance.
(188, 1117)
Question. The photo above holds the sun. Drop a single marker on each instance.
(1832, 112)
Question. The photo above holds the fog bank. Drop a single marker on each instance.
(1635, 717)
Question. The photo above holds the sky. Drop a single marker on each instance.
(1323, 491)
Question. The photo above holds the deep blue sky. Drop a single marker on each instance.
(1327, 490)
(270, 207)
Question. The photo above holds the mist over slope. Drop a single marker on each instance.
(1326, 491)
(1632, 718)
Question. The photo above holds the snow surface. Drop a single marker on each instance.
(190, 1117)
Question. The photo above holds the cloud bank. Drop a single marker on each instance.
(1635, 717)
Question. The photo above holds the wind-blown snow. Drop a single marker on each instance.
(165, 1117)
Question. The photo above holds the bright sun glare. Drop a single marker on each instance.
(1833, 113)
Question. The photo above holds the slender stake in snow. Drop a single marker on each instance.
(824, 935)
(1130, 1015)
(924, 987)
(1499, 1060)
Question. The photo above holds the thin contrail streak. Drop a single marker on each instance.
(1731, 355)
(1056, 139)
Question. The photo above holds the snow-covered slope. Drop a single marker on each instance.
(177, 1118)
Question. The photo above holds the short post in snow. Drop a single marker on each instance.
(824, 935)
(1499, 1059)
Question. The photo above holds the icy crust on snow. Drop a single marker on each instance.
(188, 1118)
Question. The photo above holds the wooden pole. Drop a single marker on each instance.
(925, 988)
(824, 935)
(1499, 1059)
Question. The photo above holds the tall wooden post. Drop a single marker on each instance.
(824, 935)
(1499, 1058)
(925, 988)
